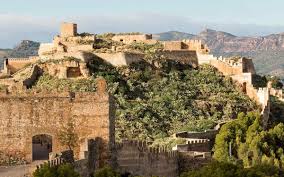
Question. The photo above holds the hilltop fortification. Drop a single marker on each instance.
(27, 116)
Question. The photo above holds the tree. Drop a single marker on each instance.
(67, 136)
(223, 169)
(250, 142)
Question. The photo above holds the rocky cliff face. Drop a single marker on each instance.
(267, 51)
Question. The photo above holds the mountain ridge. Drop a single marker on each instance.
(267, 51)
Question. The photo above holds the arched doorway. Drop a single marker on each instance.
(41, 147)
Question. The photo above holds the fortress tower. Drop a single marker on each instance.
(68, 29)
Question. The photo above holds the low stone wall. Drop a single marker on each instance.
(243, 78)
(138, 159)
(210, 134)
(128, 39)
(201, 145)
(15, 64)
(183, 56)
(226, 69)
(120, 58)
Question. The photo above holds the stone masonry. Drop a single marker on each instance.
(25, 115)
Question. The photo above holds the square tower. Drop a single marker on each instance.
(68, 29)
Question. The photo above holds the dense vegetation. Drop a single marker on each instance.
(157, 100)
(65, 170)
(221, 169)
(250, 143)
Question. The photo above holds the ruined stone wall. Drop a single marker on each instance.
(136, 158)
(128, 39)
(16, 64)
(205, 58)
(120, 58)
(196, 45)
(65, 69)
(200, 145)
(227, 69)
(210, 134)
(248, 66)
(183, 56)
(243, 78)
(68, 29)
(192, 45)
(173, 45)
(24, 115)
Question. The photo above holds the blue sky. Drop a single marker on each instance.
(39, 19)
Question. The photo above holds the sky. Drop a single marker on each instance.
(39, 19)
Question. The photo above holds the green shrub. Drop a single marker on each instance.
(221, 169)
(155, 101)
(65, 170)
(106, 172)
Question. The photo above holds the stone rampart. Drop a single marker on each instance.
(183, 56)
(15, 64)
(192, 45)
(138, 159)
(200, 145)
(24, 115)
(209, 134)
(120, 58)
(128, 39)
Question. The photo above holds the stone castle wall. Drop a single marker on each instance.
(128, 39)
(201, 145)
(183, 56)
(138, 159)
(120, 58)
(12, 65)
(226, 69)
(24, 115)
(192, 45)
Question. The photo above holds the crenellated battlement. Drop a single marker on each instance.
(132, 155)
(198, 141)
(143, 146)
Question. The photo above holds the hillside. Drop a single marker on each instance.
(155, 102)
(267, 51)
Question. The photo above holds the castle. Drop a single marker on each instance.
(26, 116)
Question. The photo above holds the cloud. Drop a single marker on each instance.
(15, 28)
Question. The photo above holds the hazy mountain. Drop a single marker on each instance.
(267, 51)
(24, 49)
(173, 35)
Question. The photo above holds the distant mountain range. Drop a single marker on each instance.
(267, 51)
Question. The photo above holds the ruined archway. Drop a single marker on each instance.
(73, 72)
(41, 147)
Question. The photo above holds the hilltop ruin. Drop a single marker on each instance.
(25, 115)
